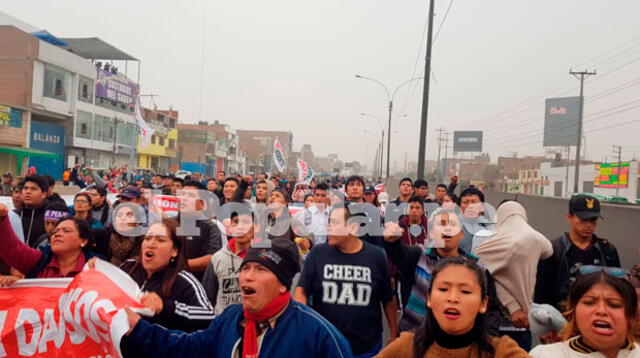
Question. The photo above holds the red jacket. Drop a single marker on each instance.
(25, 259)
(410, 239)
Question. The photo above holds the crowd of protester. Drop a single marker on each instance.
(275, 268)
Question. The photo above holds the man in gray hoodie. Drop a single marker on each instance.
(220, 279)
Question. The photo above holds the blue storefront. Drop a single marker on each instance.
(49, 138)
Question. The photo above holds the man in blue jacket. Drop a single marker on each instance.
(267, 324)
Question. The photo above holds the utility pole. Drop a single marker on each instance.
(405, 163)
(425, 96)
(389, 137)
(381, 153)
(618, 150)
(580, 76)
(566, 180)
(446, 150)
(440, 131)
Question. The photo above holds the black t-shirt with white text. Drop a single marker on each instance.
(347, 290)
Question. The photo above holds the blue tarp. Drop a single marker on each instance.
(46, 36)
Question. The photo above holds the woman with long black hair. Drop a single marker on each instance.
(176, 298)
(454, 324)
(602, 317)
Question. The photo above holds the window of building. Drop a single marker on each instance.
(126, 133)
(83, 124)
(101, 126)
(172, 122)
(107, 129)
(161, 140)
(153, 139)
(172, 143)
(160, 118)
(15, 118)
(85, 89)
(55, 82)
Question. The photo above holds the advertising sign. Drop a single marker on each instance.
(467, 141)
(607, 175)
(114, 88)
(561, 119)
(5, 111)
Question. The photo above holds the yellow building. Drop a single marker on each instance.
(161, 153)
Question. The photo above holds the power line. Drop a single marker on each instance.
(589, 131)
(530, 120)
(564, 126)
(413, 88)
(442, 22)
(543, 91)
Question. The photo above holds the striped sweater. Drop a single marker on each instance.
(186, 308)
(416, 265)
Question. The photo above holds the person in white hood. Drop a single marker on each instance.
(512, 256)
(221, 278)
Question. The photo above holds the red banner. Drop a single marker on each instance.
(167, 203)
(64, 318)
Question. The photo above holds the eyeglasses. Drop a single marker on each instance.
(81, 202)
(611, 271)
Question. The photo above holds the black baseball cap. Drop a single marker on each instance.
(130, 192)
(585, 207)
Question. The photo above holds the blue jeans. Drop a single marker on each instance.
(375, 350)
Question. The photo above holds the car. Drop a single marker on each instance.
(618, 200)
(181, 174)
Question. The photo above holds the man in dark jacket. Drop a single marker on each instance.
(52, 196)
(398, 207)
(100, 209)
(6, 189)
(572, 250)
(206, 240)
(34, 193)
(267, 323)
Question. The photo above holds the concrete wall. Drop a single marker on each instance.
(548, 215)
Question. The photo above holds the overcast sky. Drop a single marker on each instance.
(290, 65)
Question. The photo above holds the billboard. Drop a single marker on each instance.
(467, 141)
(114, 88)
(607, 175)
(561, 118)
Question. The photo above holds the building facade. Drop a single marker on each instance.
(53, 107)
(161, 153)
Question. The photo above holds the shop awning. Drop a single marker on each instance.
(22, 153)
(28, 152)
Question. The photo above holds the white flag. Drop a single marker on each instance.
(305, 172)
(144, 130)
(278, 156)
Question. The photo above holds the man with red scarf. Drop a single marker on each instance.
(267, 323)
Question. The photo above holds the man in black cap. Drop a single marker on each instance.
(6, 188)
(132, 194)
(267, 323)
(572, 250)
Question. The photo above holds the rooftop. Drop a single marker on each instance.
(94, 48)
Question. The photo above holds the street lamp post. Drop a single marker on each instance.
(378, 162)
(381, 149)
(390, 98)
